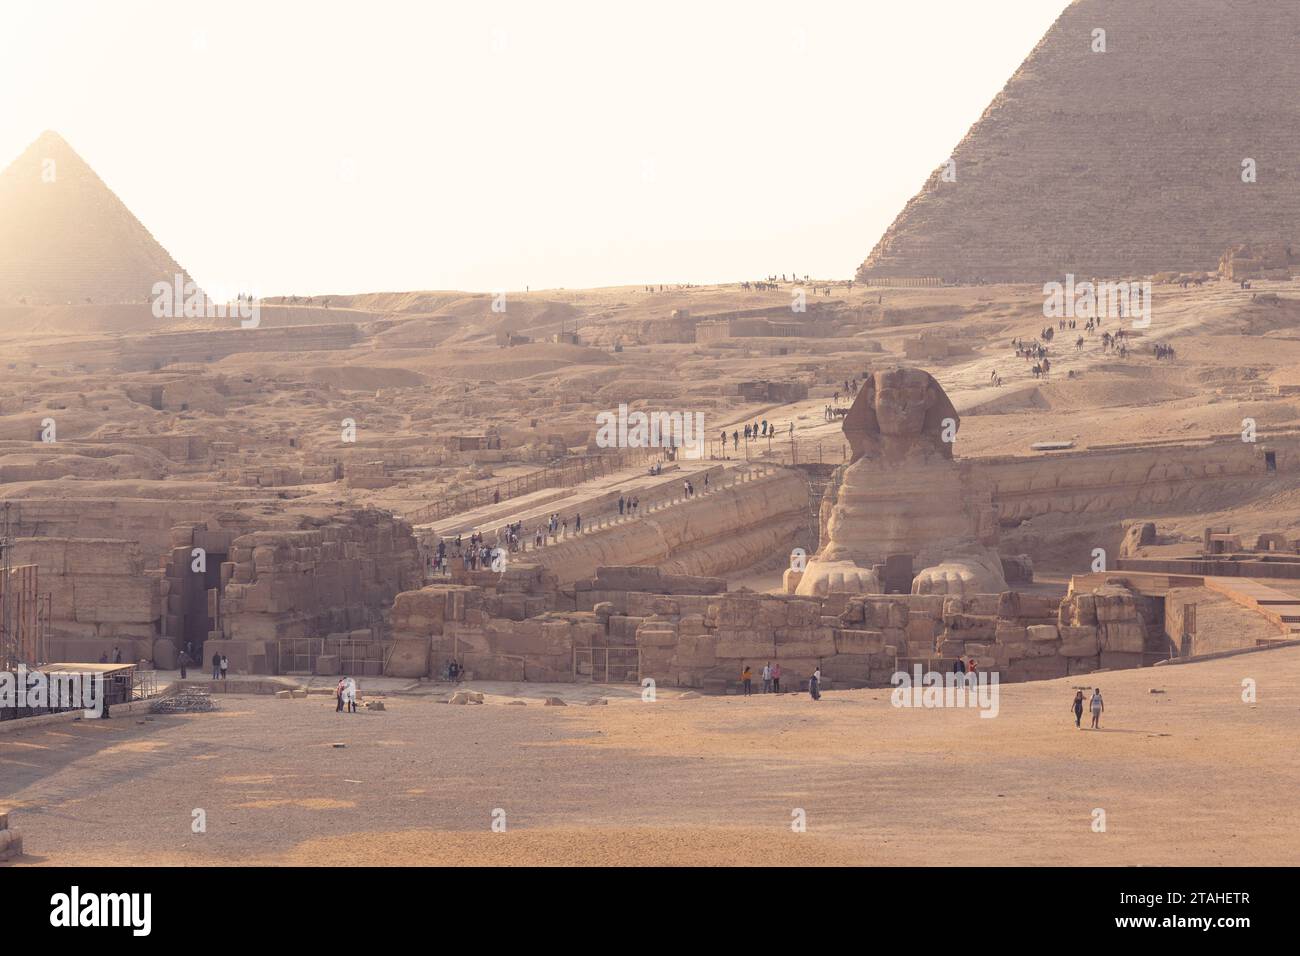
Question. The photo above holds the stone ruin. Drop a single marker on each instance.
(632, 623)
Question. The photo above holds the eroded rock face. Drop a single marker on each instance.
(902, 493)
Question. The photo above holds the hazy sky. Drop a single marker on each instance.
(321, 147)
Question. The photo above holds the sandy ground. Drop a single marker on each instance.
(1192, 776)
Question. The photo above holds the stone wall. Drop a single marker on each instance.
(330, 575)
(730, 528)
(687, 631)
(100, 596)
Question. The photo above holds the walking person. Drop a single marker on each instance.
(338, 696)
(746, 678)
(767, 678)
(1078, 708)
(959, 668)
(216, 665)
(183, 660)
(225, 666)
(776, 678)
(1097, 708)
(814, 684)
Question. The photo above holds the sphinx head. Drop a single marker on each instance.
(899, 402)
(904, 396)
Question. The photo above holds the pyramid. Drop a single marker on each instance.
(1120, 163)
(65, 237)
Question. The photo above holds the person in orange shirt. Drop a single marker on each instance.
(747, 678)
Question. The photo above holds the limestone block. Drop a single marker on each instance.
(922, 631)
(1120, 660)
(696, 651)
(1010, 634)
(1085, 609)
(1041, 649)
(802, 613)
(1009, 605)
(1079, 641)
(884, 612)
(740, 646)
(1043, 632)
(1081, 665)
(1122, 636)
(164, 654)
(1114, 604)
(1036, 606)
(650, 636)
(982, 605)
(925, 605)
(624, 628)
(859, 641)
(734, 613)
(805, 649)
(691, 624)
(665, 607)
(770, 615)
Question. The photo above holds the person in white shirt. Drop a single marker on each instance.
(767, 678)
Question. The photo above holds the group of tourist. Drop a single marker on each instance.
(771, 676)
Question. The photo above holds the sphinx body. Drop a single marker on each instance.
(902, 494)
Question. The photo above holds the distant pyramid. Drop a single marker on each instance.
(65, 237)
(1121, 163)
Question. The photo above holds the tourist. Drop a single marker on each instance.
(216, 665)
(814, 684)
(776, 678)
(621, 503)
(973, 673)
(767, 678)
(959, 667)
(117, 655)
(577, 521)
(350, 695)
(225, 666)
(746, 678)
(1097, 708)
(1078, 708)
(183, 661)
(339, 690)
(103, 657)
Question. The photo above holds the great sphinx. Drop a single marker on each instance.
(901, 494)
